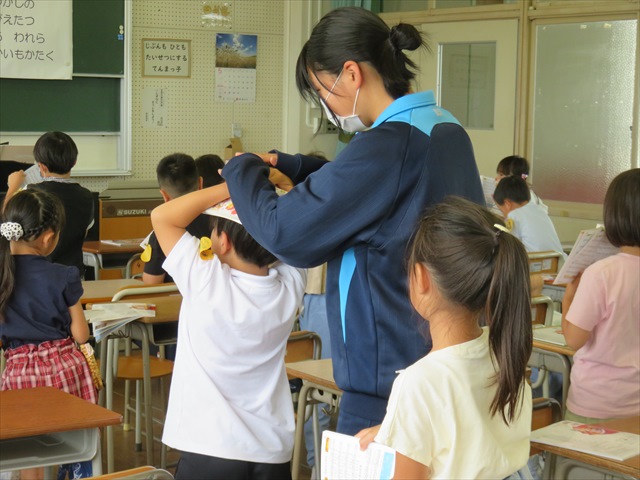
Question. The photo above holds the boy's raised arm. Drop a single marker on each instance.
(170, 219)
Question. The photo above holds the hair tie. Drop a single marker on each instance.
(524, 176)
(12, 231)
(501, 228)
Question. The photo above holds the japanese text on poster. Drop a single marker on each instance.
(166, 58)
(36, 39)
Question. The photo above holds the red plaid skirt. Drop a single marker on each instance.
(57, 364)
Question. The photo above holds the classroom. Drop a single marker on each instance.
(556, 82)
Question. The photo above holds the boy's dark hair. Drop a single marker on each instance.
(208, 166)
(513, 165)
(478, 266)
(177, 174)
(36, 211)
(243, 243)
(622, 209)
(57, 151)
(512, 188)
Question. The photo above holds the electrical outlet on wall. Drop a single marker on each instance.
(327, 127)
(236, 130)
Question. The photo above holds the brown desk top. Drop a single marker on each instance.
(167, 308)
(552, 347)
(319, 372)
(100, 291)
(100, 248)
(631, 466)
(43, 410)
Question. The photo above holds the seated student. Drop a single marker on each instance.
(56, 154)
(177, 175)
(601, 310)
(517, 166)
(464, 410)
(230, 411)
(208, 166)
(525, 219)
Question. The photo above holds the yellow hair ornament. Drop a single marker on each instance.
(146, 254)
(205, 248)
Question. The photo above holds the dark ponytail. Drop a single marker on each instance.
(36, 212)
(353, 33)
(485, 270)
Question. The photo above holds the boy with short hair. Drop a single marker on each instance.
(56, 154)
(177, 175)
(230, 409)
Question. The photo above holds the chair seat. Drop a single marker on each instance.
(130, 368)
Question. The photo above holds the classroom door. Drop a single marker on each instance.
(472, 70)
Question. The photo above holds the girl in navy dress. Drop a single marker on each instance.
(40, 311)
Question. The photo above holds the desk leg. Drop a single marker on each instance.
(147, 392)
(299, 436)
(96, 462)
(108, 346)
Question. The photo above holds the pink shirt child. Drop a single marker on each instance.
(605, 377)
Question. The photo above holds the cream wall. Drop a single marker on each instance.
(196, 123)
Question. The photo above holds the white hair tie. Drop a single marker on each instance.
(12, 231)
(501, 228)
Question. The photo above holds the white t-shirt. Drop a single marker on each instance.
(438, 414)
(534, 228)
(605, 377)
(230, 395)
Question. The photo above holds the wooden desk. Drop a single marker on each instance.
(554, 358)
(318, 386)
(101, 291)
(44, 426)
(567, 460)
(93, 251)
(159, 330)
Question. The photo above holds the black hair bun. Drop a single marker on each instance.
(405, 37)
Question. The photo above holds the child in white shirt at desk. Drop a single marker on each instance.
(601, 310)
(464, 410)
(517, 166)
(526, 220)
(230, 409)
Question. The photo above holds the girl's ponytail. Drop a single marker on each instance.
(508, 313)
(7, 278)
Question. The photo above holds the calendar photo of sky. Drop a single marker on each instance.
(236, 51)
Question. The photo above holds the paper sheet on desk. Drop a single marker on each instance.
(342, 458)
(549, 335)
(589, 439)
(591, 246)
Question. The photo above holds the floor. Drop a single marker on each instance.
(125, 454)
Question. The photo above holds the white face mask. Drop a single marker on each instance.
(352, 123)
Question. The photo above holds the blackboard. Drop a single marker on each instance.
(83, 104)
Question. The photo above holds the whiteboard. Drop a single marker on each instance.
(36, 40)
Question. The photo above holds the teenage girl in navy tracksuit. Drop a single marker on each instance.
(358, 211)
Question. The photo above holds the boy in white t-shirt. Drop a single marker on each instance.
(526, 220)
(230, 409)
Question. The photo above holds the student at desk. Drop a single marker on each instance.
(177, 175)
(601, 310)
(56, 154)
(230, 410)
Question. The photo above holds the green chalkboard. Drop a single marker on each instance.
(98, 43)
(83, 104)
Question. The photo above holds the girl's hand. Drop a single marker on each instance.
(15, 180)
(570, 292)
(367, 436)
(280, 180)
